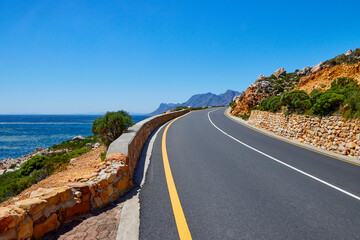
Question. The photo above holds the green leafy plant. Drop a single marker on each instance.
(297, 101)
(271, 104)
(111, 126)
(327, 103)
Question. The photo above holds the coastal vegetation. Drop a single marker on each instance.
(342, 98)
(41, 166)
(110, 126)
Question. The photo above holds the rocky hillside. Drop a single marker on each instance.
(309, 78)
(200, 100)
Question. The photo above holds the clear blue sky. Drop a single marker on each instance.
(97, 56)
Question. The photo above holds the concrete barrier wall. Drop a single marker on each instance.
(48, 208)
(132, 141)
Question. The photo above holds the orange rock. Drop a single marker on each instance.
(82, 187)
(85, 197)
(111, 177)
(50, 224)
(52, 195)
(117, 157)
(122, 184)
(26, 229)
(32, 205)
(104, 196)
(351, 145)
(10, 217)
(77, 209)
(97, 202)
(103, 183)
(115, 195)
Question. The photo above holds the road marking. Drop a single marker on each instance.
(285, 140)
(183, 229)
(285, 164)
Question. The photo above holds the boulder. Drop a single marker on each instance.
(317, 68)
(280, 72)
(78, 138)
(26, 229)
(103, 183)
(52, 195)
(77, 209)
(304, 71)
(32, 205)
(349, 52)
(82, 187)
(261, 78)
(10, 217)
(48, 225)
(123, 183)
(117, 157)
(111, 177)
(265, 84)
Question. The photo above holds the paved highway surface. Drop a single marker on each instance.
(236, 183)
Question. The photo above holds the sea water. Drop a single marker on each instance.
(21, 134)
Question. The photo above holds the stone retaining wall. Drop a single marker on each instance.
(333, 133)
(131, 142)
(47, 209)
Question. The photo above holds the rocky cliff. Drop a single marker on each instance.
(200, 100)
(309, 78)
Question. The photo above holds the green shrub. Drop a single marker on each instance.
(271, 104)
(75, 144)
(180, 108)
(297, 101)
(111, 126)
(326, 103)
(34, 163)
(344, 84)
(232, 104)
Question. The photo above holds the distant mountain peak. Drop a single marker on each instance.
(200, 100)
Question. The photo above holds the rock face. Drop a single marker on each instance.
(330, 133)
(304, 71)
(265, 87)
(349, 52)
(200, 100)
(308, 78)
(78, 138)
(323, 78)
(317, 68)
(280, 72)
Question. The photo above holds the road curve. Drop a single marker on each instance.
(236, 183)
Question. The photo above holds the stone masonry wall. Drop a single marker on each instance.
(333, 133)
(47, 209)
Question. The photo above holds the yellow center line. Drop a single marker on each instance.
(285, 140)
(183, 229)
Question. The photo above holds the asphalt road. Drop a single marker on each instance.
(230, 191)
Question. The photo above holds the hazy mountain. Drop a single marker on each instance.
(200, 100)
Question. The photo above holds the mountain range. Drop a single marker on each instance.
(200, 100)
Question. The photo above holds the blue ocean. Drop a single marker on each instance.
(21, 134)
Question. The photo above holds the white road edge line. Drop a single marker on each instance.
(285, 164)
(129, 225)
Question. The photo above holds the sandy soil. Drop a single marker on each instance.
(82, 166)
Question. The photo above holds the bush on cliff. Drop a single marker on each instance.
(327, 103)
(111, 126)
(34, 163)
(342, 97)
(271, 104)
(297, 101)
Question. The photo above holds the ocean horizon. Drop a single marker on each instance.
(22, 134)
